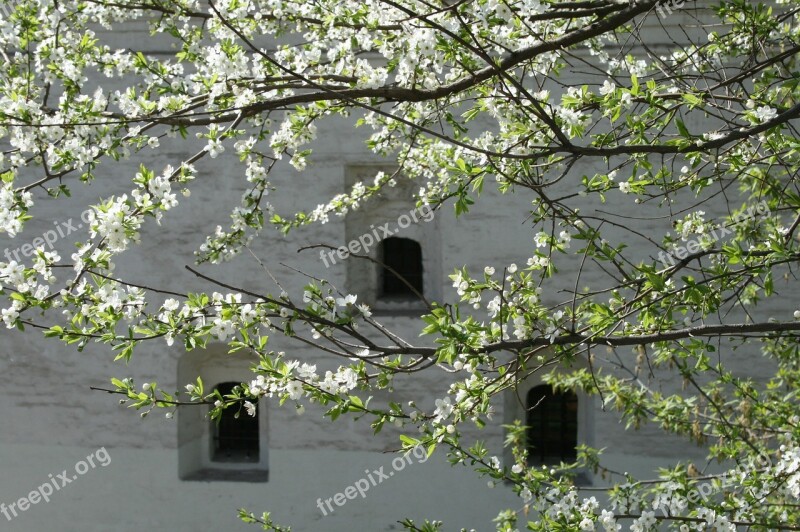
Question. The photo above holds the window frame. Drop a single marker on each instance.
(195, 430)
(370, 222)
(514, 409)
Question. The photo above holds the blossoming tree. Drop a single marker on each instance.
(457, 94)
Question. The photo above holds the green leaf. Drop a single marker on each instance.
(692, 100)
(682, 128)
(413, 442)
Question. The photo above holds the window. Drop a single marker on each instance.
(410, 244)
(552, 421)
(235, 433)
(235, 449)
(402, 261)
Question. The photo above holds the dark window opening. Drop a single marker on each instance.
(404, 256)
(235, 438)
(552, 421)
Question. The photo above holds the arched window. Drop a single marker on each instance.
(235, 434)
(552, 421)
(404, 256)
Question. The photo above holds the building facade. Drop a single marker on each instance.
(174, 473)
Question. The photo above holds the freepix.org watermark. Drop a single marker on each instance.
(706, 240)
(55, 483)
(48, 238)
(675, 503)
(665, 7)
(373, 478)
(367, 240)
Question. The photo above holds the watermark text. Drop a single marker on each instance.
(367, 240)
(361, 486)
(55, 483)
